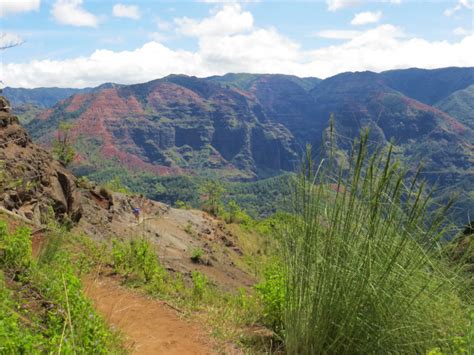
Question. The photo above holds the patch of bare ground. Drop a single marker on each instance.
(148, 325)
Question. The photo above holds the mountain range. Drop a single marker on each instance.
(251, 126)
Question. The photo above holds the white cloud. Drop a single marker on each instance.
(228, 1)
(16, 6)
(363, 18)
(461, 4)
(163, 25)
(337, 34)
(334, 5)
(230, 19)
(460, 31)
(128, 11)
(222, 48)
(8, 40)
(70, 12)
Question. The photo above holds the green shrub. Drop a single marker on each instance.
(363, 273)
(14, 337)
(15, 248)
(272, 292)
(136, 258)
(72, 323)
(196, 255)
(200, 284)
(68, 323)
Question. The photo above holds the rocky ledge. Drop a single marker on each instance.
(32, 183)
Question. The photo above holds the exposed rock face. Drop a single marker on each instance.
(31, 181)
(173, 125)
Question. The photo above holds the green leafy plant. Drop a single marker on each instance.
(63, 149)
(136, 258)
(15, 248)
(211, 196)
(196, 255)
(200, 284)
(272, 292)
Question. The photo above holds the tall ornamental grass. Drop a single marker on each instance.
(363, 274)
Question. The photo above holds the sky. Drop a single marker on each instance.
(84, 43)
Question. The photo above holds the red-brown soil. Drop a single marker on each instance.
(148, 326)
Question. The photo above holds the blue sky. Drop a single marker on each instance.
(77, 43)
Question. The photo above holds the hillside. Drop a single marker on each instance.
(184, 281)
(52, 227)
(460, 105)
(248, 126)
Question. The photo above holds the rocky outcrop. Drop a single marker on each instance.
(32, 183)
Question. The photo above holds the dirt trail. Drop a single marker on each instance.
(150, 327)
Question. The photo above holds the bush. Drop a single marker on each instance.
(15, 248)
(136, 258)
(196, 255)
(272, 293)
(360, 258)
(14, 337)
(66, 322)
(200, 284)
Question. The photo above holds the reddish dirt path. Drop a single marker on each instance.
(149, 327)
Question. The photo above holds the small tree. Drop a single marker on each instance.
(62, 145)
(234, 211)
(211, 196)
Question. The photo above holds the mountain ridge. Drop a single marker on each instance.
(249, 126)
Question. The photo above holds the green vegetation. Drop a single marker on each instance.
(43, 306)
(211, 192)
(362, 268)
(63, 149)
(196, 255)
(257, 199)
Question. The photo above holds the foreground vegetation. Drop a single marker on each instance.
(362, 267)
(356, 265)
(43, 307)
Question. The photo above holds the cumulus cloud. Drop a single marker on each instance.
(334, 5)
(230, 19)
(245, 48)
(8, 40)
(127, 11)
(461, 4)
(337, 34)
(363, 18)
(16, 6)
(70, 12)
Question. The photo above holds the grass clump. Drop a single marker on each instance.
(361, 268)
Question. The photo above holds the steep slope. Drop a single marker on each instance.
(252, 126)
(429, 86)
(174, 123)
(37, 188)
(420, 131)
(460, 105)
(45, 97)
(40, 97)
(30, 180)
